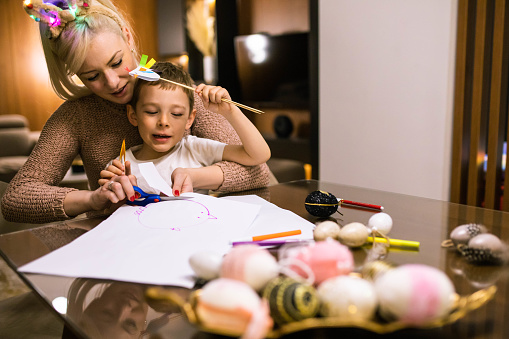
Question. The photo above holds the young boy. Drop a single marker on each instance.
(163, 112)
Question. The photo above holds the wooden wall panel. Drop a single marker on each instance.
(498, 106)
(459, 153)
(24, 81)
(479, 120)
(143, 18)
(481, 104)
(273, 17)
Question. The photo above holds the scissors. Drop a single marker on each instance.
(143, 199)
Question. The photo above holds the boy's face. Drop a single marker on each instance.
(162, 117)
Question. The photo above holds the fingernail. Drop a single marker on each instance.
(137, 195)
(131, 198)
(177, 193)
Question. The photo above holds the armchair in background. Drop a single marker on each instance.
(16, 144)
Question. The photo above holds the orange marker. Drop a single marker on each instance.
(271, 236)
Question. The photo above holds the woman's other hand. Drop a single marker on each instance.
(182, 181)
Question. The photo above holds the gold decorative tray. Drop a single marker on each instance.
(463, 305)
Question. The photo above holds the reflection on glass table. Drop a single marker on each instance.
(118, 309)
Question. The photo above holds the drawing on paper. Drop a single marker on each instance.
(173, 215)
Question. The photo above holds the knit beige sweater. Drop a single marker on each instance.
(94, 128)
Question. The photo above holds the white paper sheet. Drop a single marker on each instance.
(273, 219)
(151, 244)
(149, 171)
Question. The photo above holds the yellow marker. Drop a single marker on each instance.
(122, 153)
(397, 242)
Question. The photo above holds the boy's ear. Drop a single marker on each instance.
(190, 120)
(131, 115)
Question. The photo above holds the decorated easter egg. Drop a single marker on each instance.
(325, 259)
(382, 222)
(347, 297)
(485, 248)
(463, 233)
(251, 264)
(321, 204)
(206, 264)
(414, 294)
(290, 300)
(375, 268)
(232, 306)
(326, 229)
(354, 234)
(486, 241)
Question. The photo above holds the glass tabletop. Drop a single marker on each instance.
(113, 309)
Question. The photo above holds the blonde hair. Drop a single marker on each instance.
(66, 53)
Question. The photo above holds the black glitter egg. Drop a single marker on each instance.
(321, 204)
(290, 300)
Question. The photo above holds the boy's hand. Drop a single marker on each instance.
(116, 169)
(182, 181)
(211, 97)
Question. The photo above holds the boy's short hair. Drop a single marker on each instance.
(170, 71)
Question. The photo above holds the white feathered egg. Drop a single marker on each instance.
(414, 294)
(206, 264)
(251, 264)
(347, 297)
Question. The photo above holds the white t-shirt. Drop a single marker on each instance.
(190, 152)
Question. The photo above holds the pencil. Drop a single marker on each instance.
(271, 242)
(122, 153)
(359, 204)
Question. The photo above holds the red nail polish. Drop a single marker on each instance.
(177, 193)
(131, 198)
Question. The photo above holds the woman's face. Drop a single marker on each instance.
(104, 70)
(120, 312)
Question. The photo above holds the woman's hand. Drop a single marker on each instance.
(111, 195)
(182, 181)
(116, 190)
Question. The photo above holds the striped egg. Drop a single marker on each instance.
(290, 300)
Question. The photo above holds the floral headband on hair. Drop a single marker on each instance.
(57, 13)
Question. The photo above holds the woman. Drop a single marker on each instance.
(92, 41)
(108, 309)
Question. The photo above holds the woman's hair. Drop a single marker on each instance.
(169, 71)
(65, 53)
